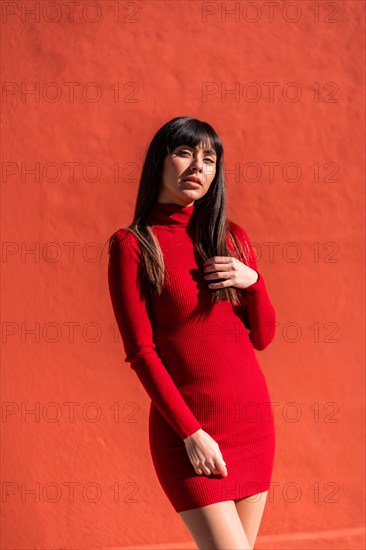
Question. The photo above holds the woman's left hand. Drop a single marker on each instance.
(234, 272)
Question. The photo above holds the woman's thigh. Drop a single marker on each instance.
(216, 527)
(250, 511)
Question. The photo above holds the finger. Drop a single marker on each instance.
(207, 471)
(221, 284)
(209, 261)
(214, 268)
(218, 259)
(222, 468)
(217, 275)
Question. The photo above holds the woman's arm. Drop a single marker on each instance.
(135, 328)
(259, 313)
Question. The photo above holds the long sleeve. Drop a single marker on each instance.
(135, 328)
(259, 313)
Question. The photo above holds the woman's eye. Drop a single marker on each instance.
(188, 153)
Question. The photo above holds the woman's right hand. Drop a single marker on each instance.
(204, 454)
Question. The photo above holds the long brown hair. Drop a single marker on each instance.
(208, 226)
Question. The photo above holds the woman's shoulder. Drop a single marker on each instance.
(123, 239)
(242, 239)
(238, 230)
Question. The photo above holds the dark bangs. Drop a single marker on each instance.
(192, 132)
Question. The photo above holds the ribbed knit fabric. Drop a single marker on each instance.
(197, 363)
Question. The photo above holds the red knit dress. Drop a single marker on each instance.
(197, 363)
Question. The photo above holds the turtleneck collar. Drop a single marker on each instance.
(169, 213)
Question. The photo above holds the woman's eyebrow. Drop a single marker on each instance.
(209, 151)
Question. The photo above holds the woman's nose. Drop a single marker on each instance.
(196, 164)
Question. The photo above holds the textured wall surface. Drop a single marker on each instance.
(84, 89)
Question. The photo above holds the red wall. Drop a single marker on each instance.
(74, 414)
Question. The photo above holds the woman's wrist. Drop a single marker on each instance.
(192, 435)
(255, 277)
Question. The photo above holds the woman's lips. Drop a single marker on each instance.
(193, 179)
(193, 184)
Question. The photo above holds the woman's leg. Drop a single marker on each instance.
(250, 511)
(216, 527)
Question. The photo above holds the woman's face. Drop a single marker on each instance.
(186, 161)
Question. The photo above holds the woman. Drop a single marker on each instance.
(191, 308)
